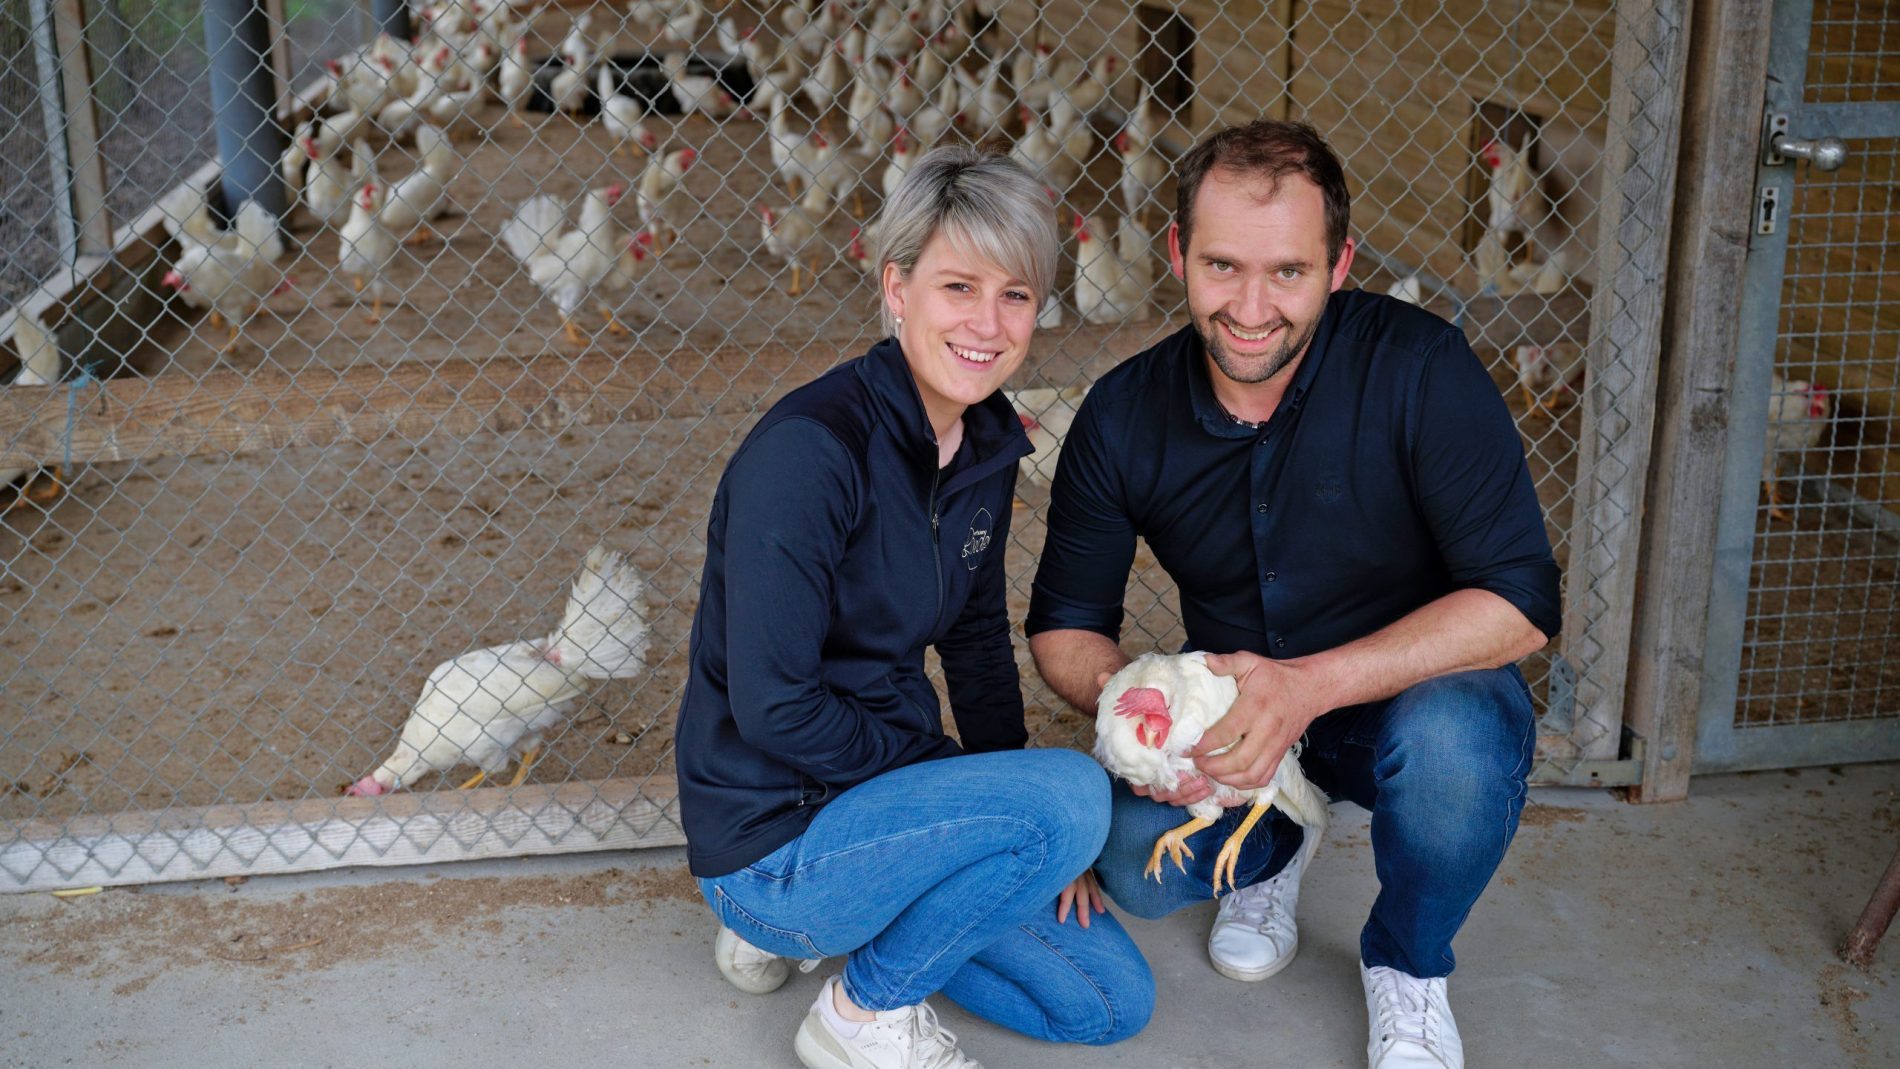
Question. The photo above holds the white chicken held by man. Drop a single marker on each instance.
(1150, 714)
(489, 706)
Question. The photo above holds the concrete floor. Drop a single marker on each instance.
(1699, 934)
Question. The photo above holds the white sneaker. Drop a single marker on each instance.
(750, 969)
(1254, 934)
(908, 1038)
(1411, 1022)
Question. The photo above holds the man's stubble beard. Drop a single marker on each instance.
(1276, 361)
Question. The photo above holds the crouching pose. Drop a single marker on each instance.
(1337, 489)
(862, 520)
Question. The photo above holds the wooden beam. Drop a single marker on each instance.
(284, 103)
(85, 181)
(1634, 218)
(1675, 564)
(263, 838)
(229, 412)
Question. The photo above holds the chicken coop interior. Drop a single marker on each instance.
(339, 335)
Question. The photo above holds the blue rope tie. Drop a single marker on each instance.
(72, 412)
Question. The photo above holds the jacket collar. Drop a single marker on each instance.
(991, 427)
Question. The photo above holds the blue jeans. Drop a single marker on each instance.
(1441, 767)
(942, 876)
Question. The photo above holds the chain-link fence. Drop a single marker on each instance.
(598, 241)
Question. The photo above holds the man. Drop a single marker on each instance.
(1338, 491)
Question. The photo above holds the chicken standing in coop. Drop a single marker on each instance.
(1549, 377)
(1339, 493)
(665, 204)
(1144, 169)
(365, 248)
(232, 273)
(696, 93)
(810, 729)
(791, 235)
(493, 706)
(1150, 714)
(568, 266)
(419, 196)
(1046, 415)
(328, 183)
(39, 366)
(1112, 284)
(1798, 414)
(622, 115)
(515, 83)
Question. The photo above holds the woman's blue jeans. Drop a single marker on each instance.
(1442, 767)
(943, 876)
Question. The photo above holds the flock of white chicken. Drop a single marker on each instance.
(848, 92)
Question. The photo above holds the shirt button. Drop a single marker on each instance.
(1261, 508)
(1279, 643)
(1271, 576)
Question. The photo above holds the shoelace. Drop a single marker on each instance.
(934, 1044)
(1404, 1005)
(1252, 904)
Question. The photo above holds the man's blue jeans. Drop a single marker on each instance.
(1442, 768)
(942, 876)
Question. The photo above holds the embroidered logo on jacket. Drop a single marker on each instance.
(978, 539)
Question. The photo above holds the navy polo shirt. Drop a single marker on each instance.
(1390, 475)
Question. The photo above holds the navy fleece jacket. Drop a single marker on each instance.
(837, 551)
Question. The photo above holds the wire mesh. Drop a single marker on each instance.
(1822, 638)
(561, 308)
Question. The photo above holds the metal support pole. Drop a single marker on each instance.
(392, 18)
(237, 39)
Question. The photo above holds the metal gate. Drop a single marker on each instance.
(1803, 662)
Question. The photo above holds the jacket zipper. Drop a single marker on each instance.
(936, 550)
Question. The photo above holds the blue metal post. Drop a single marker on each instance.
(237, 39)
(392, 18)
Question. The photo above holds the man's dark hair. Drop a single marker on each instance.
(1270, 149)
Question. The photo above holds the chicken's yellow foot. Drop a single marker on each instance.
(573, 332)
(1532, 406)
(473, 781)
(231, 342)
(614, 325)
(1175, 843)
(1775, 511)
(1229, 854)
(527, 762)
(796, 287)
(375, 310)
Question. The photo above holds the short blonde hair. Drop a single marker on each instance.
(987, 204)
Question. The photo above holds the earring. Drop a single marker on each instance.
(899, 320)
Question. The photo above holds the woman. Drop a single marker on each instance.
(826, 812)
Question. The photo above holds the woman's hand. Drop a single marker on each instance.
(1084, 894)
